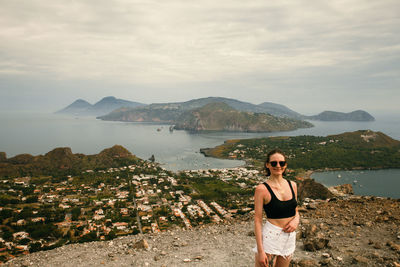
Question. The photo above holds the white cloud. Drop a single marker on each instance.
(173, 42)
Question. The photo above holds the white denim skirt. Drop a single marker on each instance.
(276, 241)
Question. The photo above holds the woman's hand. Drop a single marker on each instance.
(292, 225)
(262, 260)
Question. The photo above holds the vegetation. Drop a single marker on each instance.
(360, 149)
(214, 189)
(61, 162)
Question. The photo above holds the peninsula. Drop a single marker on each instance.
(359, 149)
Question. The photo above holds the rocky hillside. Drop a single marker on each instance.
(354, 231)
(61, 161)
(221, 117)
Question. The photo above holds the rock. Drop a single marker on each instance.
(314, 244)
(396, 264)
(358, 223)
(393, 246)
(377, 245)
(157, 257)
(310, 231)
(375, 255)
(307, 263)
(344, 189)
(198, 258)
(368, 224)
(326, 262)
(311, 206)
(251, 233)
(302, 209)
(141, 244)
(163, 253)
(359, 259)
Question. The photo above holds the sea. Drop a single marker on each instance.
(39, 133)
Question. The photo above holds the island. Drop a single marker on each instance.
(214, 116)
(357, 115)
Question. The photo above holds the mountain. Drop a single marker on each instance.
(61, 161)
(169, 112)
(104, 106)
(110, 103)
(113, 109)
(271, 108)
(280, 110)
(78, 107)
(358, 115)
(222, 117)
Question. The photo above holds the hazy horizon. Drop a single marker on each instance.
(309, 56)
(378, 114)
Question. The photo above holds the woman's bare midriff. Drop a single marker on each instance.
(280, 222)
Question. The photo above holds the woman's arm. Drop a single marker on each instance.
(293, 223)
(258, 209)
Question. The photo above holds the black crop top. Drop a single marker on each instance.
(277, 209)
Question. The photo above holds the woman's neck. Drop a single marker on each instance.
(276, 178)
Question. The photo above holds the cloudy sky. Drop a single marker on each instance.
(308, 55)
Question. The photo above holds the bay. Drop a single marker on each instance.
(38, 133)
(384, 183)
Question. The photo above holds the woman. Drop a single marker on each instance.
(276, 241)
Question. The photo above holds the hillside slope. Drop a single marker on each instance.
(221, 117)
(61, 161)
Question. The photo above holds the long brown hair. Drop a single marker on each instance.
(272, 152)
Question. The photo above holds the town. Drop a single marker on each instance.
(40, 213)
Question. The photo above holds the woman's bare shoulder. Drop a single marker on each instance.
(261, 189)
(294, 185)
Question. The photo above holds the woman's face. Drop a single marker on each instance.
(275, 162)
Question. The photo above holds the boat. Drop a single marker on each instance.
(339, 176)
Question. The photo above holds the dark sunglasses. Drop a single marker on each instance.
(275, 163)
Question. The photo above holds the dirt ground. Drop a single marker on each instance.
(358, 231)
